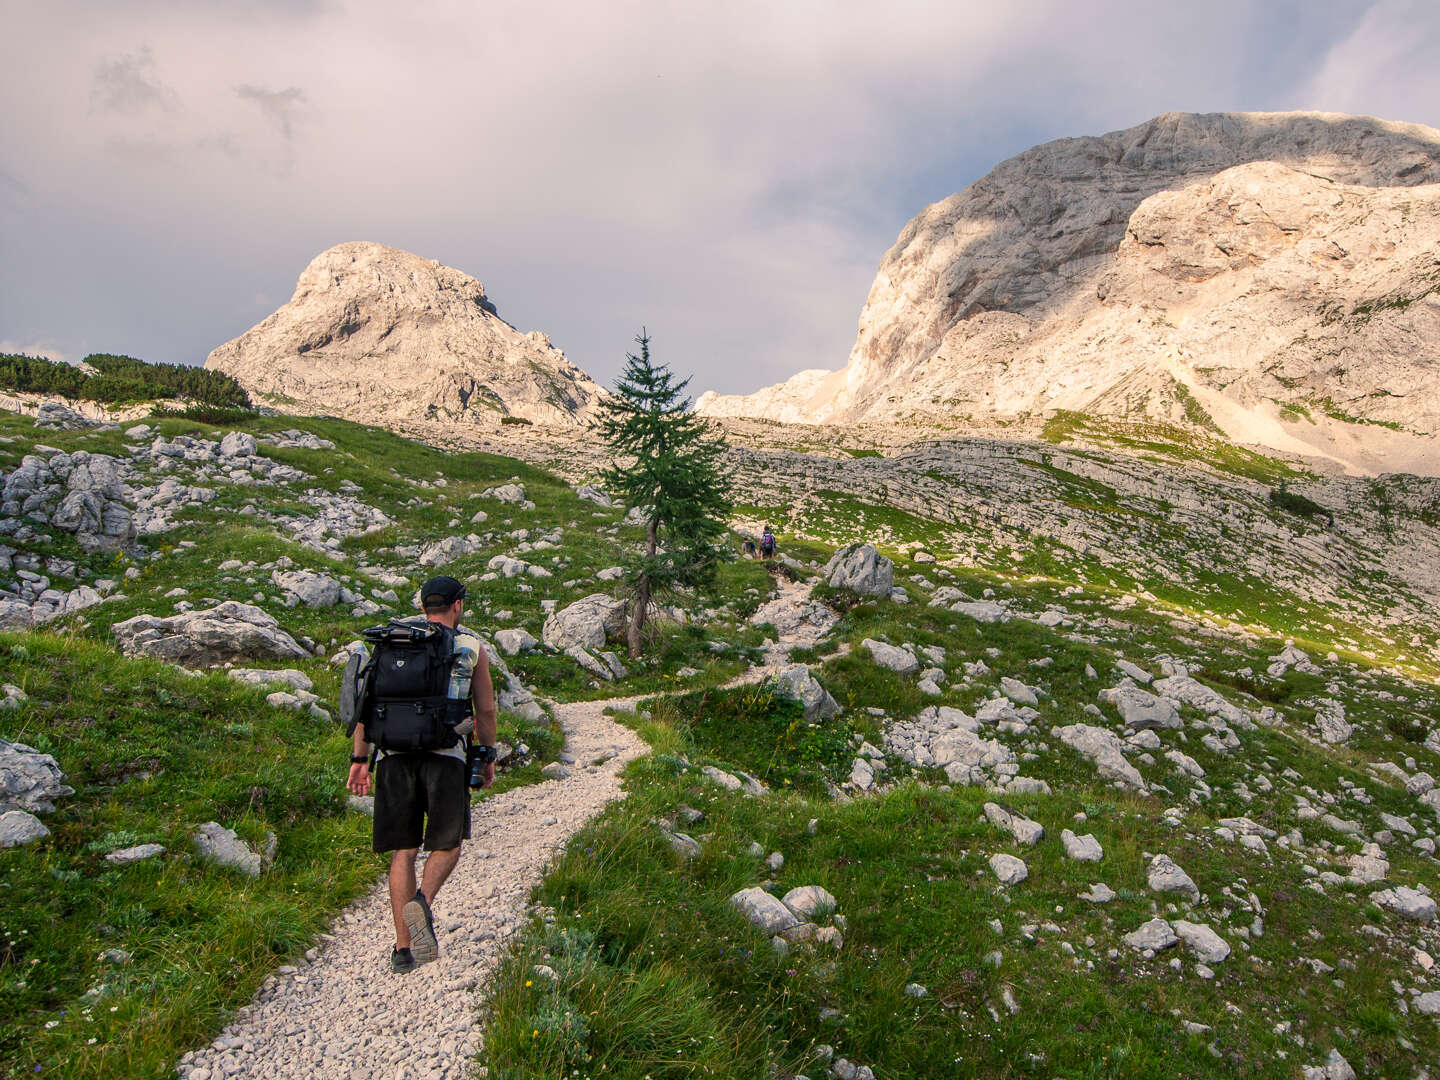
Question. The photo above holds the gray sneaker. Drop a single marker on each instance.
(402, 960)
(421, 924)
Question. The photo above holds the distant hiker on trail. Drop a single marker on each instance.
(425, 690)
(767, 544)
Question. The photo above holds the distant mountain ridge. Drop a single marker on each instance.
(375, 333)
(1272, 274)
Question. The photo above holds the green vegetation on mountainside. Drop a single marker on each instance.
(657, 975)
(120, 380)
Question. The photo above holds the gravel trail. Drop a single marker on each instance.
(340, 1013)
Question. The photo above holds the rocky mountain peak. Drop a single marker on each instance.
(374, 332)
(1174, 262)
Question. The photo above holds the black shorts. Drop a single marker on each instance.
(420, 797)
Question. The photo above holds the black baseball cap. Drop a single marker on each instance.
(446, 588)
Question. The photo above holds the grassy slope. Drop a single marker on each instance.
(659, 977)
(153, 753)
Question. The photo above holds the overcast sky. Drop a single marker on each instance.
(729, 175)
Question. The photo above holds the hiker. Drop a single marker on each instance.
(420, 795)
(767, 544)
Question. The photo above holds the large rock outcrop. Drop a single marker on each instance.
(374, 333)
(1272, 274)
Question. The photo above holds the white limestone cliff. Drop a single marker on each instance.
(1271, 274)
(374, 333)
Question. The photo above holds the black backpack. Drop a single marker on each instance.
(403, 693)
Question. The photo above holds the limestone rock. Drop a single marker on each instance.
(895, 659)
(230, 631)
(798, 682)
(1105, 749)
(29, 780)
(764, 911)
(1081, 848)
(296, 680)
(1018, 825)
(1009, 870)
(808, 902)
(515, 641)
(1335, 1068)
(1140, 709)
(1165, 877)
(861, 569)
(373, 333)
(18, 827)
(309, 588)
(138, 853)
(1406, 902)
(1056, 281)
(585, 623)
(220, 845)
(1208, 946)
(1155, 934)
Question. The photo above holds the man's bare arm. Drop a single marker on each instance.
(359, 780)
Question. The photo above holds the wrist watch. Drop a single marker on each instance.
(359, 759)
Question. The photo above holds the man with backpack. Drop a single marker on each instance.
(767, 544)
(424, 691)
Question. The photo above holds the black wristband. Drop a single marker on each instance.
(359, 759)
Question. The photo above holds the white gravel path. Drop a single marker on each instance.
(340, 1013)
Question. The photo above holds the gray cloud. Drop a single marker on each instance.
(280, 107)
(730, 175)
(129, 84)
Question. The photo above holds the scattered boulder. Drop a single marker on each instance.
(1208, 946)
(515, 641)
(1081, 848)
(1406, 902)
(809, 902)
(798, 682)
(1155, 934)
(1018, 825)
(509, 493)
(898, 660)
(1018, 692)
(1105, 749)
(1165, 877)
(221, 846)
(764, 911)
(231, 631)
(1009, 870)
(138, 853)
(29, 780)
(1291, 657)
(1335, 1068)
(791, 619)
(237, 444)
(585, 623)
(294, 679)
(861, 569)
(308, 588)
(1140, 709)
(19, 827)
(1330, 718)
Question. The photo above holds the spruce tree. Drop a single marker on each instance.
(668, 462)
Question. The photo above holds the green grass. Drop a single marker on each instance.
(630, 922)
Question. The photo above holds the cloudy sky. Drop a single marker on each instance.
(727, 174)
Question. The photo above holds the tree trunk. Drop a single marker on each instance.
(637, 617)
(633, 636)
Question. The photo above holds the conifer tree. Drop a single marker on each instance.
(668, 461)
